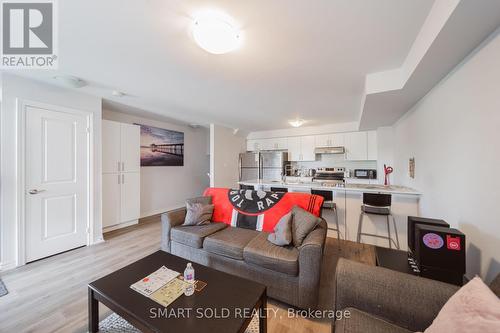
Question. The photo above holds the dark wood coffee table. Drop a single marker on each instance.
(220, 307)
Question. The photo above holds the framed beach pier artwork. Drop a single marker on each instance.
(161, 147)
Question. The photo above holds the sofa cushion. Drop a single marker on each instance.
(193, 235)
(198, 213)
(263, 253)
(303, 223)
(282, 234)
(206, 200)
(229, 242)
(362, 322)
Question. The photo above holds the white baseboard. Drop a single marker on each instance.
(119, 226)
(5, 266)
(160, 211)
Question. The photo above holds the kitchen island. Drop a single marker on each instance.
(348, 199)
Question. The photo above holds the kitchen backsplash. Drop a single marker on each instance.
(335, 160)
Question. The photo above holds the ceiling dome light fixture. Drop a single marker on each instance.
(215, 32)
(297, 122)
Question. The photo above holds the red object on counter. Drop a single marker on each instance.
(387, 170)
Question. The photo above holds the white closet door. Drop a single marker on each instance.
(130, 148)
(110, 146)
(111, 199)
(130, 196)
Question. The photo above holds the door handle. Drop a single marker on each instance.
(35, 191)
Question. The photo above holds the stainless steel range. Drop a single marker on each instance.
(333, 177)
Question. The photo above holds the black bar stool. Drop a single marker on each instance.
(329, 204)
(378, 204)
(279, 189)
(246, 187)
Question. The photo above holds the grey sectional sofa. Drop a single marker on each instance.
(290, 274)
(380, 300)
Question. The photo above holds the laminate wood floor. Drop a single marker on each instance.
(50, 295)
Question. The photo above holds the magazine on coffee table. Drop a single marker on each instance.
(154, 281)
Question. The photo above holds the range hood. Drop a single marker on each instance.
(330, 150)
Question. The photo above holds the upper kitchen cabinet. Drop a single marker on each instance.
(361, 146)
(372, 145)
(356, 146)
(329, 140)
(301, 148)
(267, 144)
(253, 145)
(274, 144)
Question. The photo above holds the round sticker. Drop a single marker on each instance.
(433, 241)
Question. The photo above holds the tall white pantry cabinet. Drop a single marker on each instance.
(121, 178)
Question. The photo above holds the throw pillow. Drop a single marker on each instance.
(303, 223)
(282, 234)
(473, 308)
(198, 214)
(207, 200)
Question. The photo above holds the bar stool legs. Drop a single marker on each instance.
(360, 223)
(395, 231)
(389, 237)
(337, 222)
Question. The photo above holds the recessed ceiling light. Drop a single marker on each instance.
(215, 32)
(297, 122)
(70, 81)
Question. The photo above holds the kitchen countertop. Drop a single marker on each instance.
(369, 188)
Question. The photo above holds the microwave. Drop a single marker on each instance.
(365, 173)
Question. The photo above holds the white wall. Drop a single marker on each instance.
(15, 88)
(166, 188)
(454, 135)
(225, 147)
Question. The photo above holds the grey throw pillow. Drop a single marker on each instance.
(282, 234)
(203, 200)
(198, 213)
(303, 223)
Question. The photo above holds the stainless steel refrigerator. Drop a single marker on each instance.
(268, 166)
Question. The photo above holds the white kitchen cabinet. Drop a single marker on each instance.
(111, 161)
(121, 177)
(294, 149)
(130, 193)
(301, 148)
(130, 155)
(278, 144)
(111, 199)
(356, 146)
(267, 144)
(329, 140)
(120, 147)
(372, 145)
(307, 147)
(253, 145)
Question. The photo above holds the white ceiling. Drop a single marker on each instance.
(300, 58)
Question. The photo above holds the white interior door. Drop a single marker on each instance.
(57, 181)
(111, 199)
(130, 196)
(130, 148)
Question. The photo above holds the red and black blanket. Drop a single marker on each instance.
(258, 210)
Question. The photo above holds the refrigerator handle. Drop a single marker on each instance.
(239, 167)
(261, 167)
